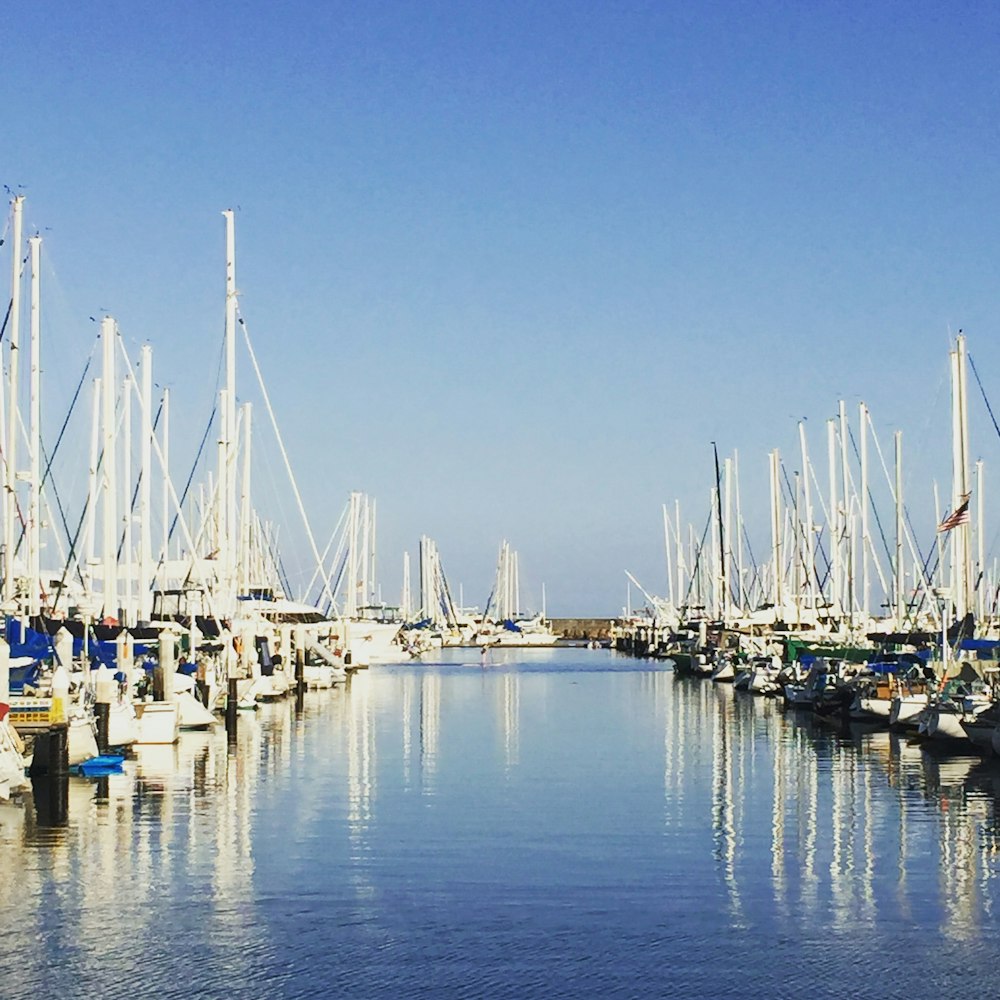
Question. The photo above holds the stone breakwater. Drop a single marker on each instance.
(582, 628)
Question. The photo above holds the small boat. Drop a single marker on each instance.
(12, 778)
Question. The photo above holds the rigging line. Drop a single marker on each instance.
(6, 319)
(697, 560)
(49, 459)
(138, 483)
(71, 557)
(191, 475)
(284, 453)
(820, 583)
(979, 382)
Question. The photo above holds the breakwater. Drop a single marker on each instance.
(582, 628)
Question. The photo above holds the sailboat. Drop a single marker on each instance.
(509, 626)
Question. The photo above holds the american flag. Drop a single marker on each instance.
(960, 515)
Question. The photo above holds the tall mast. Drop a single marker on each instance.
(810, 537)
(404, 599)
(776, 534)
(740, 595)
(145, 485)
(244, 581)
(865, 578)
(165, 450)
(109, 382)
(374, 547)
(351, 603)
(93, 488)
(961, 568)
(227, 474)
(35, 432)
(847, 574)
(900, 572)
(831, 443)
(128, 607)
(981, 589)
(727, 534)
(720, 567)
(666, 549)
(13, 340)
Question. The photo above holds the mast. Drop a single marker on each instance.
(865, 541)
(35, 431)
(145, 485)
(727, 534)
(13, 340)
(126, 533)
(351, 602)
(666, 548)
(404, 599)
(740, 595)
(721, 602)
(109, 482)
(243, 577)
(847, 575)
(227, 471)
(165, 449)
(93, 490)
(831, 442)
(900, 571)
(980, 587)
(810, 538)
(776, 535)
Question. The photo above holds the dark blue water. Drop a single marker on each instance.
(557, 824)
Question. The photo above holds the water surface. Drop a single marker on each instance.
(552, 823)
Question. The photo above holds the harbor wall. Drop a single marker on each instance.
(582, 628)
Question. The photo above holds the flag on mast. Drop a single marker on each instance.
(960, 515)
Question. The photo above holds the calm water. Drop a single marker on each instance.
(561, 823)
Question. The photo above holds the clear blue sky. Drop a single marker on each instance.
(511, 267)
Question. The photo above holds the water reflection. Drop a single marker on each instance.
(451, 816)
(848, 810)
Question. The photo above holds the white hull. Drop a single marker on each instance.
(373, 642)
(159, 722)
(193, 714)
(123, 726)
(323, 676)
(762, 680)
(266, 688)
(724, 673)
(516, 640)
(941, 725)
(871, 708)
(905, 709)
(82, 741)
(12, 777)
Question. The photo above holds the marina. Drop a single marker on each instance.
(561, 822)
(499, 500)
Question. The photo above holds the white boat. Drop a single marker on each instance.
(82, 738)
(369, 641)
(906, 708)
(12, 777)
(724, 672)
(193, 714)
(523, 632)
(942, 719)
(159, 722)
(123, 724)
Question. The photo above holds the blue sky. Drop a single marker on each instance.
(511, 268)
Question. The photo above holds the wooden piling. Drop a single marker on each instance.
(232, 701)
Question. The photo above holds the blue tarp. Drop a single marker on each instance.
(511, 626)
(979, 644)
